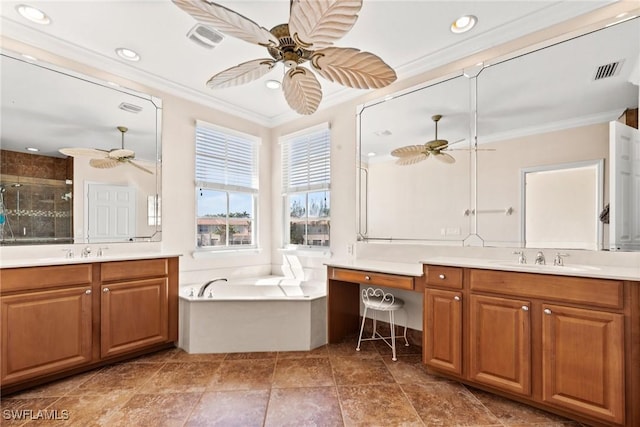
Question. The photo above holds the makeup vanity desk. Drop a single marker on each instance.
(343, 289)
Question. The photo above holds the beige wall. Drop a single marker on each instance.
(499, 173)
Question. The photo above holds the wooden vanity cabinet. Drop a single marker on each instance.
(443, 330)
(68, 318)
(564, 344)
(500, 343)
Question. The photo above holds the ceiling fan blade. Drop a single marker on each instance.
(353, 68)
(137, 165)
(103, 163)
(405, 161)
(88, 152)
(121, 153)
(444, 157)
(407, 151)
(227, 21)
(302, 90)
(241, 74)
(317, 24)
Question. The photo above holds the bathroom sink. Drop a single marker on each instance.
(576, 268)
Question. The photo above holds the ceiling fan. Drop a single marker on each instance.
(105, 159)
(412, 154)
(308, 36)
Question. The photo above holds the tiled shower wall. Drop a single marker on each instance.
(37, 201)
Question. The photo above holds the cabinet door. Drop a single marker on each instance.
(443, 330)
(500, 343)
(583, 361)
(45, 332)
(133, 315)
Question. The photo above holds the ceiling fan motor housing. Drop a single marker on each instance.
(288, 50)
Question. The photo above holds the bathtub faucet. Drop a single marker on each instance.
(204, 287)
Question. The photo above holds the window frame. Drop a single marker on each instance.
(228, 189)
(306, 189)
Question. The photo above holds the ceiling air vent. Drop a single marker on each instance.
(205, 36)
(607, 70)
(130, 108)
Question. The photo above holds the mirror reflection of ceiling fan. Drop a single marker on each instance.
(308, 36)
(411, 154)
(106, 159)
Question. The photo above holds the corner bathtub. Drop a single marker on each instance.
(253, 314)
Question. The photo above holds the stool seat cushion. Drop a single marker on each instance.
(377, 303)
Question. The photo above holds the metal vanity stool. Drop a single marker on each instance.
(377, 299)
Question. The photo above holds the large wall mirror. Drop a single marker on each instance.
(552, 110)
(107, 185)
(568, 111)
(426, 198)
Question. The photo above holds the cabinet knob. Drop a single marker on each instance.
(546, 311)
(442, 277)
(456, 298)
(105, 290)
(367, 278)
(525, 308)
(88, 292)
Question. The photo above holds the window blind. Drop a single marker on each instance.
(225, 160)
(306, 161)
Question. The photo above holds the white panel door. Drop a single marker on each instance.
(624, 217)
(111, 213)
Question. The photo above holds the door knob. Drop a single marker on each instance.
(547, 311)
(442, 277)
(105, 290)
(525, 308)
(457, 298)
(88, 292)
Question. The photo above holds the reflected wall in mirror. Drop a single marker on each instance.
(550, 107)
(47, 108)
(421, 192)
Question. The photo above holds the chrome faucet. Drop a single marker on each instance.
(558, 259)
(86, 252)
(101, 251)
(522, 258)
(204, 287)
(540, 258)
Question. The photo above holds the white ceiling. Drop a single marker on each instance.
(411, 36)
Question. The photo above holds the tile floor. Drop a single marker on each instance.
(330, 386)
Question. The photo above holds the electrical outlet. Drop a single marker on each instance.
(350, 248)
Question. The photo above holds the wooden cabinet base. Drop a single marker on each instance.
(567, 345)
(60, 320)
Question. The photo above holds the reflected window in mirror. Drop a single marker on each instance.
(306, 181)
(226, 188)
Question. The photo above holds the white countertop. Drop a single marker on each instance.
(415, 269)
(61, 260)
(402, 268)
(579, 270)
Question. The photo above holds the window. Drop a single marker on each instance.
(306, 177)
(226, 188)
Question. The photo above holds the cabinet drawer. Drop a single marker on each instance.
(119, 270)
(377, 279)
(580, 290)
(27, 278)
(448, 277)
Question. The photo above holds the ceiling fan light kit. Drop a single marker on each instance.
(312, 29)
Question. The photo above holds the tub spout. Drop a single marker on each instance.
(204, 287)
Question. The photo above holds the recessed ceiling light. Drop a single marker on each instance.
(33, 14)
(463, 24)
(272, 84)
(127, 54)
(371, 154)
(33, 149)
